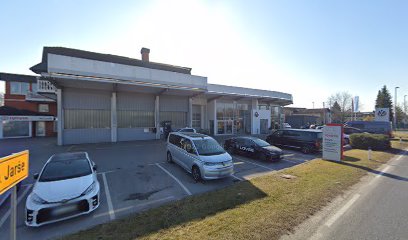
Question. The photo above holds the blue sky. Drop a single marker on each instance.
(310, 49)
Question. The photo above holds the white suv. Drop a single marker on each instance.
(199, 155)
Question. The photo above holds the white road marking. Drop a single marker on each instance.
(178, 181)
(240, 179)
(108, 198)
(135, 206)
(256, 164)
(385, 170)
(70, 148)
(111, 171)
(342, 210)
(7, 215)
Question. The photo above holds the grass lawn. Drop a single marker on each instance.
(263, 208)
(401, 134)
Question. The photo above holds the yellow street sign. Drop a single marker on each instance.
(13, 169)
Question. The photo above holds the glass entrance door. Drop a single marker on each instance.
(40, 129)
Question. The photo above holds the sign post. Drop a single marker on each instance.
(333, 142)
(13, 169)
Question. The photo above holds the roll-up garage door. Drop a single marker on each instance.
(135, 116)
(174, 109)
(87, 116)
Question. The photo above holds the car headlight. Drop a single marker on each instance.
(89, 189)
(37, 199)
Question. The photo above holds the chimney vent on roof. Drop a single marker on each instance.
(145, 54)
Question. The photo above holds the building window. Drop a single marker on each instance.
(178, 119)
(135, 119)
(34, 88)
(44, 108)
(196, 121)
(16, 129)
(86, 118)
(19, 88)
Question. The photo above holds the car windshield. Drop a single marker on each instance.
(260, 142)
(66, 169)
(208, 147)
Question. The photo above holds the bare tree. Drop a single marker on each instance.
(343, 99)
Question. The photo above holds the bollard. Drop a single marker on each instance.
(400, 140)
(369, 153)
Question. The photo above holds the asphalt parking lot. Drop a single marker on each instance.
(134, 176)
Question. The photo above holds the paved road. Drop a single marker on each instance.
(379, 210)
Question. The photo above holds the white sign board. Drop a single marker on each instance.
(333, 142)
(27, 118)
(382, 114)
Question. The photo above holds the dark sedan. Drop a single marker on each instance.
(253, 147)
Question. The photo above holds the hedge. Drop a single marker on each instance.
(373, 141)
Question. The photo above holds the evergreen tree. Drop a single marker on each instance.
(384, 101)
(336, 113)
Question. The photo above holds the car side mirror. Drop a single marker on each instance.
(36, 175)
(94, 167)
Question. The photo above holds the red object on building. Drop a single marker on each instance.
(22, 99)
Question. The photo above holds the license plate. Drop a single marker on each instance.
(64, 210)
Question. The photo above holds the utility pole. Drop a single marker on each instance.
(313, 104)
(395, 109)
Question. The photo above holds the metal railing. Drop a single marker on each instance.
(44, 86)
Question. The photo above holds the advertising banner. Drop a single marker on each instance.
(333, 142)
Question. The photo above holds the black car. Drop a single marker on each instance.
(307, 140)
(253, 147)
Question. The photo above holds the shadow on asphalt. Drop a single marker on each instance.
(389, 175)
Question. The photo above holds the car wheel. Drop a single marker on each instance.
(306, 150)
(169, 158)
(196, 173)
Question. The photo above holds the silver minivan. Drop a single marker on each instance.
(199, 155)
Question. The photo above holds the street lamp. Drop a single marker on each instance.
(395, 108)
(405, 104)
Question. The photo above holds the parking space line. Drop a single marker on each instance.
(240, 179)
(135, 206)
(256, 164)
(178, 181)
(6, 216)
(108, 198)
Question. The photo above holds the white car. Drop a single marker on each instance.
(286, 125)
(66, 187)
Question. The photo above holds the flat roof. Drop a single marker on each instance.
(42, 67)
(11, 77)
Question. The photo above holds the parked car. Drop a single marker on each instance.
(4, 196)
(286, 125)
(372, 127)
(199, 155)
(347, 131)
(253, 147)
(186, 129)
(66, 187)
(307, 140)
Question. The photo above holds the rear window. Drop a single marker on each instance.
(66, 169)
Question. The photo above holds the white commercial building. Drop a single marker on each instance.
(107, 98)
